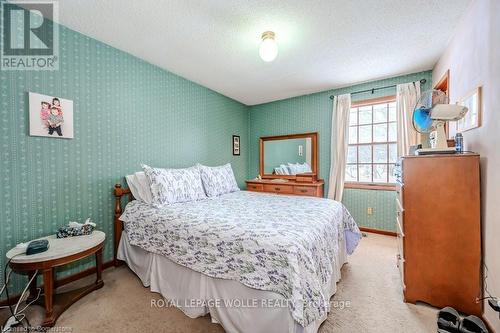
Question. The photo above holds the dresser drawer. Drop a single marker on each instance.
(399, 226)
(304, 190)
(401, 267)
(400, 240)
(255, 187)
(278, 188)
(286, 187)
(399, 193)
(400, 214)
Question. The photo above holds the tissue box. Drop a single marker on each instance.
(68, 231)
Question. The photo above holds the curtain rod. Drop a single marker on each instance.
(423, 81)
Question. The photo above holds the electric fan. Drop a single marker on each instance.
(429, 116)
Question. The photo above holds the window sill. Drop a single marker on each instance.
(371, 186)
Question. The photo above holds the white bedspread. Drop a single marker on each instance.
(179, 286)
(276, 243)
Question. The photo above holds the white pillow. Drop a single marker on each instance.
(131, 181)
(142, 184)
(174, 185)
(306, 168)
(138, 184)
(294, 168)
(143, 187)
(218, 180)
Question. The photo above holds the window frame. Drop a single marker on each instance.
(372, 185)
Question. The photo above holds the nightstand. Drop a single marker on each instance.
(61, 251)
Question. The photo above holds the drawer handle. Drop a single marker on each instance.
(277, 189)
(303, 191)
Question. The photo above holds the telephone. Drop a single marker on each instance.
(37, 246)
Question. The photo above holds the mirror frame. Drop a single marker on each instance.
(314, 153)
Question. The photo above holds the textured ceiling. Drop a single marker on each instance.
(323, 44)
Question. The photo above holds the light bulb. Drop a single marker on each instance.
(268, 48)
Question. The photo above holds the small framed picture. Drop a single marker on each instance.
(50, 116)
(236, 145)
(472, 118)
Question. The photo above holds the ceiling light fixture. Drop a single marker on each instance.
(268, 48)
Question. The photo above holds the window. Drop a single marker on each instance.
(372, 149)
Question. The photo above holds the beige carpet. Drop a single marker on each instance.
(370, 283)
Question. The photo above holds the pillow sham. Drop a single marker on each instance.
(218, 180)
(169, 186)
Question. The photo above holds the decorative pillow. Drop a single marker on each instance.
(218, 180)
(286, 169)
(174, 185)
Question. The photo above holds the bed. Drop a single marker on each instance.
(241, 256)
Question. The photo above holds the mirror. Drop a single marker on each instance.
(288, 155)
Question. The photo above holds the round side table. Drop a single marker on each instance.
(61, 251)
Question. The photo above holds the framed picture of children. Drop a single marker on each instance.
(50, 116)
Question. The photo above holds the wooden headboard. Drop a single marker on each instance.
(118, 225)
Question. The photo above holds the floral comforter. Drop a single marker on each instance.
(284, 244)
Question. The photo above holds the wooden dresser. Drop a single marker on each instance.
(439, 230)
(290, 187)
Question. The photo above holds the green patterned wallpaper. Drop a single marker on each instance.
(382, 202)
(127, 112)
(313, 113)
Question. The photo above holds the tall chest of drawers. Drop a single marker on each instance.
(439, 230)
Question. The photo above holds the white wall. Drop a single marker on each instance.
(473, 58)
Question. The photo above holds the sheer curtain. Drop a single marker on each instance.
(339, 139)
(407, 95)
